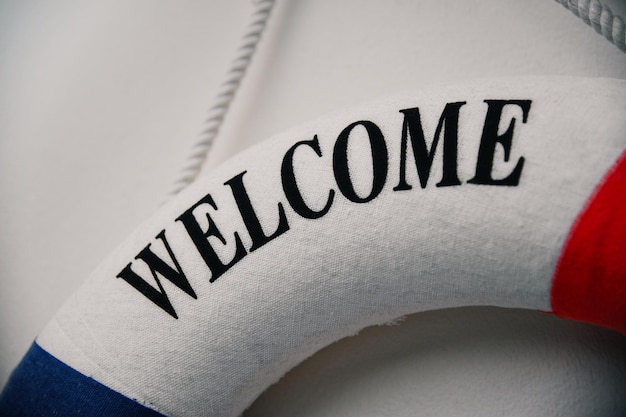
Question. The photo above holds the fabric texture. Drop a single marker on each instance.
(589, 279)
(454, 196)
(449, 196)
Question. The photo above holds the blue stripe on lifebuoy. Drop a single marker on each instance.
(42, 385)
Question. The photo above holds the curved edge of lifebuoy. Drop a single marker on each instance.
(454, 196)
(589, 280)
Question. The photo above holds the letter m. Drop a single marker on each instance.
(412, 131)
(158, 267)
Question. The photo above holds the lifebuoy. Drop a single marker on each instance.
(497, 192)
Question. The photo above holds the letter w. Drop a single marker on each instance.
(158, 266)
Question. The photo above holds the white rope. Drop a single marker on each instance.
(591, 12)
(600, 18)
(225, 95)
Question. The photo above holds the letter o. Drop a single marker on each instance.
(380, 162)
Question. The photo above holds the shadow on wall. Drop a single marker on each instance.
(468, 361)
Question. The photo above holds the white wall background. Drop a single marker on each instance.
(100, 102)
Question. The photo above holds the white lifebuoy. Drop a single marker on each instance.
(498, 192)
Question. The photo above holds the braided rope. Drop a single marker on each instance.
(600, 18)
(225, 96)
(591, 12)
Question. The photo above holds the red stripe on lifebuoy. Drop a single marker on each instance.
(589, 283)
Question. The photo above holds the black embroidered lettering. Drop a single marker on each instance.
(199, 238)
(489, 140)
(249, 216)
(158, 266)
(380, 162)
(290, 185)
(412, 130)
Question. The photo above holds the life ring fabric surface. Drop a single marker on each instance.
(453, 196)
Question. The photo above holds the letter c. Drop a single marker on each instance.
(290, 185)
